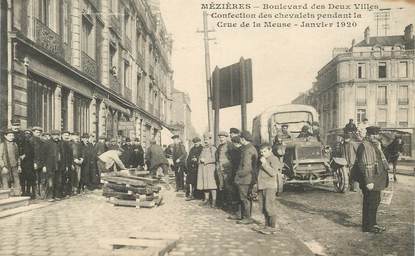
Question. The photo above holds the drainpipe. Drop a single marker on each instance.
(10, 59)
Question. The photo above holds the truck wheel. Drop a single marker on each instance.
(341, 182)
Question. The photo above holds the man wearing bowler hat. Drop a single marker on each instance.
(372, 169)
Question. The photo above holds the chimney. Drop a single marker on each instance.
(409, 32)
(367, 35)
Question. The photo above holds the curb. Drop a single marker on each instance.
(18, 210)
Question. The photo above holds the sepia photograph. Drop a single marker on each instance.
(196, 127)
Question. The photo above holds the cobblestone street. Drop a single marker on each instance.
(329, 220)
(75, 226)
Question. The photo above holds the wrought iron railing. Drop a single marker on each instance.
(89, 65)
(49, 40)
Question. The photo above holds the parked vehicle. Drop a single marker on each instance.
(306, 160)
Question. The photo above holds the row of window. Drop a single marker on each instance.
(382, 116)
(382, 70)
(382, 95)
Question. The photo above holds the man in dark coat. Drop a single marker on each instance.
(179, 161)
(224, 170)
(28, 172)
(245, 177)
(350, 127)
(393, 151)
(51, 174)
(155, 159)
(89, 155)
(192, 165)
(38, 159)
(66, 164)
(372, 170)
(127, 153)
(99, 148)
(78, 158)
(137, 156)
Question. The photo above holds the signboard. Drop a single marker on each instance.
(125, 125)
(229, 80)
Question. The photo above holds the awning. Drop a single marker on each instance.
(115, 106)
(166, 135)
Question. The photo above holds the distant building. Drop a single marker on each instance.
(98, 67)
(182, 114)
(373, 79)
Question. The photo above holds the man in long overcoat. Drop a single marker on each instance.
(28, 172)
(66, 163)
(137, 156)
(373, 178)
(51, 174)
(245, 177)
(224, 170)
(38, 161)
(179, 155)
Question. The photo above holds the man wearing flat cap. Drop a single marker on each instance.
(224, 170)
(10, 167)
(39, 155)
(245, 177)
(372, 173)
(234, 132)
(192, 165)
(179, 156)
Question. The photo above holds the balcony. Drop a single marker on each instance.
(127, 93)
(115, 83)
(376, 54)
(89, 66)
(50, 41)
(115, 24)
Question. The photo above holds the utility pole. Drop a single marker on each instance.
(206, 38)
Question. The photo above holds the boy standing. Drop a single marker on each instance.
(267, 184)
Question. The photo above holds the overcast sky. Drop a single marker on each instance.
(285, 61)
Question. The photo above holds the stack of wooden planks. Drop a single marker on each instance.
(133, 191)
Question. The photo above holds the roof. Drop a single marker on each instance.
(289, 108)
(383, 41)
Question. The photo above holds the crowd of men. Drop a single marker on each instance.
(60, 163)
(229, 176)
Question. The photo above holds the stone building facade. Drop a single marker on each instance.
(374, 79)
(98, 67)
(182, 115)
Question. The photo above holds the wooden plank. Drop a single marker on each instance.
(147, 204)
(119, 195)
(129, 203)
(136, 190)
(127, 181)
(116, 187)
(147, 180)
